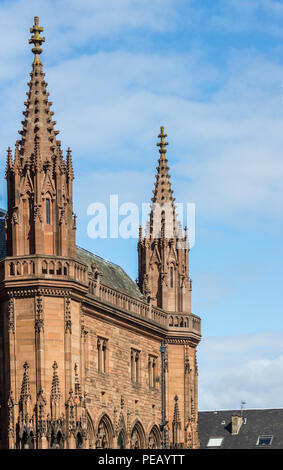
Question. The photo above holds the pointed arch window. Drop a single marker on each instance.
(47, 211)
(135, 365)
(171, 277)
(152, 371)
(102, 352)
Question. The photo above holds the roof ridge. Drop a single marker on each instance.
(239, 410)
(104, 259)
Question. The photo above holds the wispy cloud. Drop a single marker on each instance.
(244, 367)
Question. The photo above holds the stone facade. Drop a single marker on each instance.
(79, 341)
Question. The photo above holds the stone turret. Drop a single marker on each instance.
(164, 251)
(40, 197)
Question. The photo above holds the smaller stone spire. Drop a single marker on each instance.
(36, 40)
(176, 424)
(69, 164)
(9, 163)
(25, 390)
(176, 416)
(78, 392)
(55, 397)
(25, 402)
(55, 388)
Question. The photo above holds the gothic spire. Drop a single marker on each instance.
(38, 123)
(40, 175)
(163, 216)
(162, 192)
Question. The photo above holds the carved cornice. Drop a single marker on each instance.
(186, 341)
(38, 292)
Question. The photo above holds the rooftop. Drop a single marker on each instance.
(260, 428)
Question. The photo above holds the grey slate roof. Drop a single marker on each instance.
(262, 422)
(112, 274)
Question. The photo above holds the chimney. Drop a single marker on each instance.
(237, 421)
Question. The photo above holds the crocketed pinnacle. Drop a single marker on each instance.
(38, 125)
(55, 388)
(69, 164)
(176, 416)
(162, 192)
(9, 162)
(78, 392)
(25, 390)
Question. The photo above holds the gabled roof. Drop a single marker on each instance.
(256, 423)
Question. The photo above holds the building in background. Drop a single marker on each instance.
(79, 340)
(245, 429)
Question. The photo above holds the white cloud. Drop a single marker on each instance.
(242, 367)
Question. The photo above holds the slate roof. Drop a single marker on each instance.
(261, 422)
(112, 274)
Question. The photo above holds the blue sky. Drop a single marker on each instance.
(212, 74)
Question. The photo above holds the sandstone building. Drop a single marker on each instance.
(79, 340)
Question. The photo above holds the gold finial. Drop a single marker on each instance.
(162, 144)
(36, 39)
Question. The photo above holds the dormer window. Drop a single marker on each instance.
(264, 441)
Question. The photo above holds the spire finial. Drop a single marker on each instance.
(36, 40)
(162, 144)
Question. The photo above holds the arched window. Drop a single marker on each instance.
(171, 276)
(121, 440)
(47, 211)
(102, 355)
(105, 433)
(59, 268)
(51, 267)
(44, 267)
(135, 365)
(57, 441)
(137, 437)
(79, 441)
(25, 267)
(154, 440)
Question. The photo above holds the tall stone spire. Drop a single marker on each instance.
(38, 125)
(163, 252)
(162, 192)
(40, 199)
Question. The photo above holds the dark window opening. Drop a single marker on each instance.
(48, 211)
(264, 440)
(171, 277)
